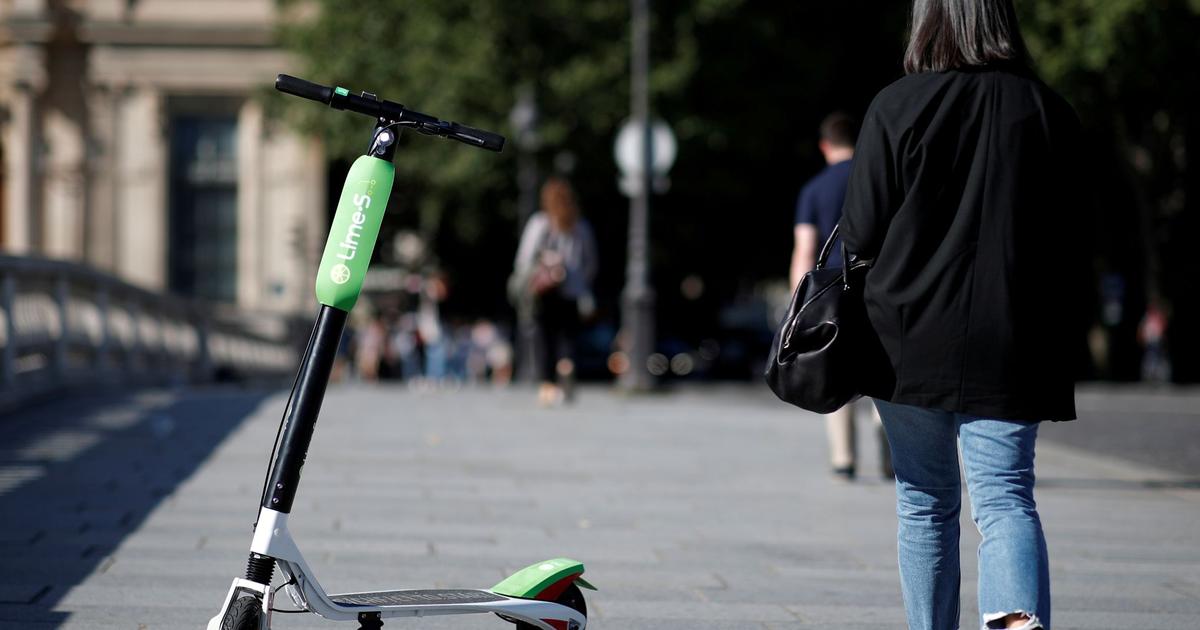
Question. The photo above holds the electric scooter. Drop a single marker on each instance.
(543, 596)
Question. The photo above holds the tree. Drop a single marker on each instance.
(468, 60)
(1129, 67)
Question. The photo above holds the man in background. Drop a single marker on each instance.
(818, 210)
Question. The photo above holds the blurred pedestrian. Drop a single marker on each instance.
(1156, 364)
(818, 210)
(430, 329)
(404, 344)
(370, 349)
(967, 191)
(490, 354)
(555, 265)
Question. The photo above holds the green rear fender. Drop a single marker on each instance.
(543, 578)
(354, 232)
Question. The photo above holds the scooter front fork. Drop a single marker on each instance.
(245, 588)
(256, 584)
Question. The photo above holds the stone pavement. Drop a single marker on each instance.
(706, 508)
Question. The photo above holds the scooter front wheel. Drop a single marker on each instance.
(243, 614)
(572, 598)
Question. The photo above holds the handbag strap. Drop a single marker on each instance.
(827, 248)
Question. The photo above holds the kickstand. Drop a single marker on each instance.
(369, 621)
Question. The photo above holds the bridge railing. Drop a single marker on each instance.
(64, 324)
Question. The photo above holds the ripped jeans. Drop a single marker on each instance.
(997, 455)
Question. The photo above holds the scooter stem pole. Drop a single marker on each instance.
(339, 281)
(300, 417)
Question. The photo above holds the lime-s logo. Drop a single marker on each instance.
(339, 273)
(349, 244)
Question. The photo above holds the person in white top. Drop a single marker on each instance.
(555, 266)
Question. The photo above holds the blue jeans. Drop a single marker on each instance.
(997, 456)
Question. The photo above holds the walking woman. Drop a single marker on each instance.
(966, 191)
(555, 266)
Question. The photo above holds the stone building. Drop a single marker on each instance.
(132, 140)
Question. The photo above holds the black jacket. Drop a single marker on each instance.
(967, 190)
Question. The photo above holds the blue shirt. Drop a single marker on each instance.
(820, 204)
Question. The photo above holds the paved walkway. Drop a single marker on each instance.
(702, 509)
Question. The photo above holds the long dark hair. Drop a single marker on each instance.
(948, 34)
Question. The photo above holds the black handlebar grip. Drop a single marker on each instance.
(476, 137)
(300, 87)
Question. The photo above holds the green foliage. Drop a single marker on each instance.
(467, 60)
(1100, 50)
(1129, 66)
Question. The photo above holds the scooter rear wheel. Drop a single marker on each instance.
(243, 614)
(571, 598)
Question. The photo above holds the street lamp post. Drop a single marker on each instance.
(524, 119)
(637, 298)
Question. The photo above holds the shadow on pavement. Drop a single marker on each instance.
(1119, 484)
(80, 474)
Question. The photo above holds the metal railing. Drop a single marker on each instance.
(64, 324)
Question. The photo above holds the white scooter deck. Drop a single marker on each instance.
(430, 602)
(408, 598)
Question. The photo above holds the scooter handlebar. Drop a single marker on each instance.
(369, 105)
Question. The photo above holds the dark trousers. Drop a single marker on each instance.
(557, 321)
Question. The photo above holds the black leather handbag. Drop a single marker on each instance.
(825, 353)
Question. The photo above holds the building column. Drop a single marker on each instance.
(20, 164)
(100, 224)
(63, 186)
(252, 247)
(294, 197)
(312, 211)
(141, 159)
